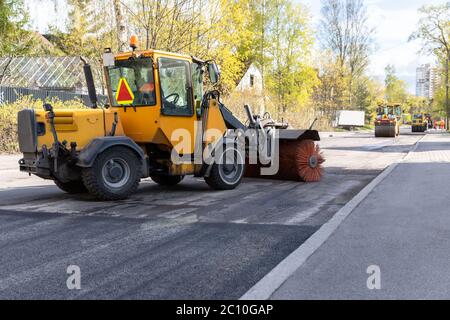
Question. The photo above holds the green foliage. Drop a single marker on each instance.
(290, 76)
(15, 41)
(396, 91)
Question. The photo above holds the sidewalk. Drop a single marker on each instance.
(403, 226)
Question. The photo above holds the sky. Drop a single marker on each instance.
(394, 20)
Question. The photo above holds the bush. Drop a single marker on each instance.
(8, 118)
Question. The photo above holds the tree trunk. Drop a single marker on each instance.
(263, 43)
(447, 105)
(121, 29)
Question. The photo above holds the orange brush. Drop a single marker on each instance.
(299, 161)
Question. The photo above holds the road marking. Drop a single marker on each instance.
(272, 281)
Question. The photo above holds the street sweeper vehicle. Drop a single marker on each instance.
(159, 124)
(388, 121)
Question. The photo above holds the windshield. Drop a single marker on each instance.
(132, 83)
(417, 116)
(385, 110)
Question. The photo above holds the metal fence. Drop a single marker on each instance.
(12, 94)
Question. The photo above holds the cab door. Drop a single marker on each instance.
(177, 119)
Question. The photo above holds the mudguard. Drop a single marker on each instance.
(88, 155)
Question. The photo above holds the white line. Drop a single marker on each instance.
(264, 289)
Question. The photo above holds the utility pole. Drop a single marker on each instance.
(121, 29)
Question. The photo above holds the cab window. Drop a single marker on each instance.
(138, 75)
(176, 96)
(197, 81)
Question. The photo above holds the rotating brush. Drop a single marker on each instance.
(298, 161)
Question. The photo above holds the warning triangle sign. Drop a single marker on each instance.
(124, 95)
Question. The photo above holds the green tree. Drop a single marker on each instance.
(396, 91)
(434, 32)
(15, 41)
(290, 76)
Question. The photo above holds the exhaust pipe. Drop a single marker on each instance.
(90, 83)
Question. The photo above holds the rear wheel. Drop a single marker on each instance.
(165, 180)
(115, 174)
(71, 187)
(227, 172)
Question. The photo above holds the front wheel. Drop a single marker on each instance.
(115, 174)
(227, 172)
(71, 187)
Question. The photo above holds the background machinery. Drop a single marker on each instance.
(388, 121)
(158, 111)
(419, 123)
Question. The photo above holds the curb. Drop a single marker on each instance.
(272, 281)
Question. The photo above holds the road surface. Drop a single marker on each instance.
(404, 232)
(185, 242)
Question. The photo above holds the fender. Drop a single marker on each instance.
(88, 155)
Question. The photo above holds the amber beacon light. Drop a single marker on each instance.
(133, 42)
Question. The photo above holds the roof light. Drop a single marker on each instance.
(133, 42)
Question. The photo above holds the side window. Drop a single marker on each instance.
(197, 81)
(175, 82)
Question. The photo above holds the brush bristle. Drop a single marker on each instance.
(294, 162)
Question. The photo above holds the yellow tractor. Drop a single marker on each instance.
(159, 123)
(419, 122)
(388, 121)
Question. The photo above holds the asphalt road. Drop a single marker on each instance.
(403, 231)
(186, 242)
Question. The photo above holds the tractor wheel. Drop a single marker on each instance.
(115, 174)
(72, 187)
(165, 180)
(227, 172)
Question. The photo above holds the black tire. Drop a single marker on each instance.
(72, 187)
(115, 174)
(227, 176)
(165, 180)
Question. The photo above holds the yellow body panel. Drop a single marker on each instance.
(216, 127)
(80, 126)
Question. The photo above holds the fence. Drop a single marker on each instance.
(12, 94)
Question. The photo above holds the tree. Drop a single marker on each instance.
(120, 26)
(396, 91)
(434, 32)
(291, 78)
(346, 32)
(15, 40)
(329, 94)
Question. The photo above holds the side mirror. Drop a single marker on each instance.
(214, 72)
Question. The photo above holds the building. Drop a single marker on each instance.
(426, 81)
(252, 80)
(251, 86)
